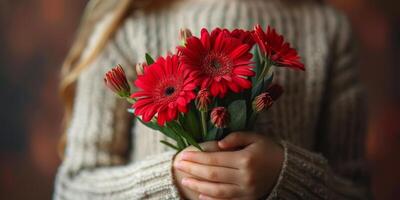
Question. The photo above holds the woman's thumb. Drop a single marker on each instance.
(236, 140)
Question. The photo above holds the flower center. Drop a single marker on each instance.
(217, 64)
(169, 91)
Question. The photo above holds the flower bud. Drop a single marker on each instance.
(184, 34)
(266, 99)
(203, 99)
(115, 79)
(220, 117)
(140, 68)
(262, 102)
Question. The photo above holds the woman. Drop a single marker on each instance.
(318, 119)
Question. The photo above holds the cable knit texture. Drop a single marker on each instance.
(319, 118)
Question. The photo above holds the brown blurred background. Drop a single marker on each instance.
(35, 36)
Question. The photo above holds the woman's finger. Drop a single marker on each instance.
(210, 173)
(210, 146)
(221, 159)
(237, 140)
(216, 190)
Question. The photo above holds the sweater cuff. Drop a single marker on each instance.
(161, 183)
(302, 175)
(151, 178)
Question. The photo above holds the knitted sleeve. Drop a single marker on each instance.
(96, 164)
(333, 172)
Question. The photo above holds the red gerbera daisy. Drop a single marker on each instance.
(276, 49)
(243, 35)
(222, 61)
(166, 89)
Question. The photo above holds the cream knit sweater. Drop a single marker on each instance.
(319, 117)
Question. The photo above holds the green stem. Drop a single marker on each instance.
(204, 123)
(130, 100)
(264, 72)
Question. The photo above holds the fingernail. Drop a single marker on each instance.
(220, 144)
(185, 181)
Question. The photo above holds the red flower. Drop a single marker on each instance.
(166, 89)
(222, 62)
(244, 36)
(220, 117)
(203, 100)
(115, 79)
(276, 49)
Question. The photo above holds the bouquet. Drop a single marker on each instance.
(212, 85)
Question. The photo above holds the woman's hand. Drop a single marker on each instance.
(247, 168)
(180, 175)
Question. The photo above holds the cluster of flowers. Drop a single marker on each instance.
(214, 84)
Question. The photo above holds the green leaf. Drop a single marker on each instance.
(149, 59)
(174, 135)
(268, 80)
(221, 133)
(150, 124)
(170, 145)
(191, 123)
(257, 89)
(180, 131)
(260, 65)
(166, 131)
(259, 61)
(191, 140)
(251, 120)
(262, 86)
(212, 134)
(238, 113)
(215, 134)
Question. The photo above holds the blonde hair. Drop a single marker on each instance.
(75, 63)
